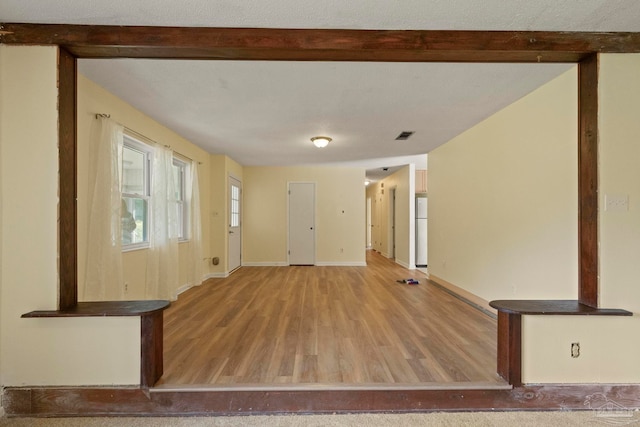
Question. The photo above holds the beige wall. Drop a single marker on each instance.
(610, 349)
(44, 351)
(94, 99)
(403, 182)
(503, 200)
(265, 214)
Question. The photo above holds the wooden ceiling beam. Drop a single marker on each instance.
(100, 41)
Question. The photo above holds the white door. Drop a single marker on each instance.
(235, 225)
(392, 223)
(302, 233)
(369, 225)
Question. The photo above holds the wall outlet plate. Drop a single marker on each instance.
(616, 202)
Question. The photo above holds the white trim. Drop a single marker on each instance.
(230, 178)
(222, 275)
(183, 288)
(341, 264)
(266, 264)
(404, 264)
(135, 247)
(461, 293)
(384, 254)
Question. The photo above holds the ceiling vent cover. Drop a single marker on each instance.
(404, 135)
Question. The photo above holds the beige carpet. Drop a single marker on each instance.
(520, 419)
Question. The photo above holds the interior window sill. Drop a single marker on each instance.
(133, 248)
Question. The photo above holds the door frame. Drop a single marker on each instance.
(315, 216)
(368, 223)
(228, 222)
(392, 217)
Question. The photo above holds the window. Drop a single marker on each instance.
(136, 194)
(235, 206)
(136, 191)
(180, 169)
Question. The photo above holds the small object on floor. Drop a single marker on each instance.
(408, 281)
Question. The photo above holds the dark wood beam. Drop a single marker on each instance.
(67, 209)
(99, 41)
(79, 401)
(588, 181)
(510, 347)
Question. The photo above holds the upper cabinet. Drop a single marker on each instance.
(421, 181)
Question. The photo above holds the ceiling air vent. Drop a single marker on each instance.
(404, 135)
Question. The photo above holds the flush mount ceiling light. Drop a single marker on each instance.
(321, 141)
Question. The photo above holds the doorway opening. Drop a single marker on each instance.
(235, 224)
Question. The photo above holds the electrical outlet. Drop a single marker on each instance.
(575, 350)
(616, 202)
(126, 287)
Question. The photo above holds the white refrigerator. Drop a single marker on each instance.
(421, 231)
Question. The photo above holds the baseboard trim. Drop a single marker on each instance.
(404, 264)
(183, 288)
(466, 296)
(341, 264)
(222, 275)
(265, 264)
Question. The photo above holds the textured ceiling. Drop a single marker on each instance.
(257, 111)
(265, 112)
(554, 15)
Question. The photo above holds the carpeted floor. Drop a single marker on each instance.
(520, 419)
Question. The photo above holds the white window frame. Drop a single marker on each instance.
(234, 208)
(132, 143)
(183, 203)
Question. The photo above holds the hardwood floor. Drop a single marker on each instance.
(326, 326)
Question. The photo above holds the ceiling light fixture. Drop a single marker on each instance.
(321, 141)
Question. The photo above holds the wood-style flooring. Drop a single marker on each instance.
(327, 326)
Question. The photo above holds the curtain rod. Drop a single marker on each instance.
(141, 136)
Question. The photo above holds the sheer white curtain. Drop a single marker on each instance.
(162, 256)
(195, 269)
(103, 278)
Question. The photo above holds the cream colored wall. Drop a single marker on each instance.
(403, 182)
(94, 99)
(610, 349)
(265, 214)
(620, 174)
(69, 351)
(221, 168)
(503, 200)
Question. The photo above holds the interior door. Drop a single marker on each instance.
(392, 223)
(302, 233)
(235, 223)
(369, 224)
